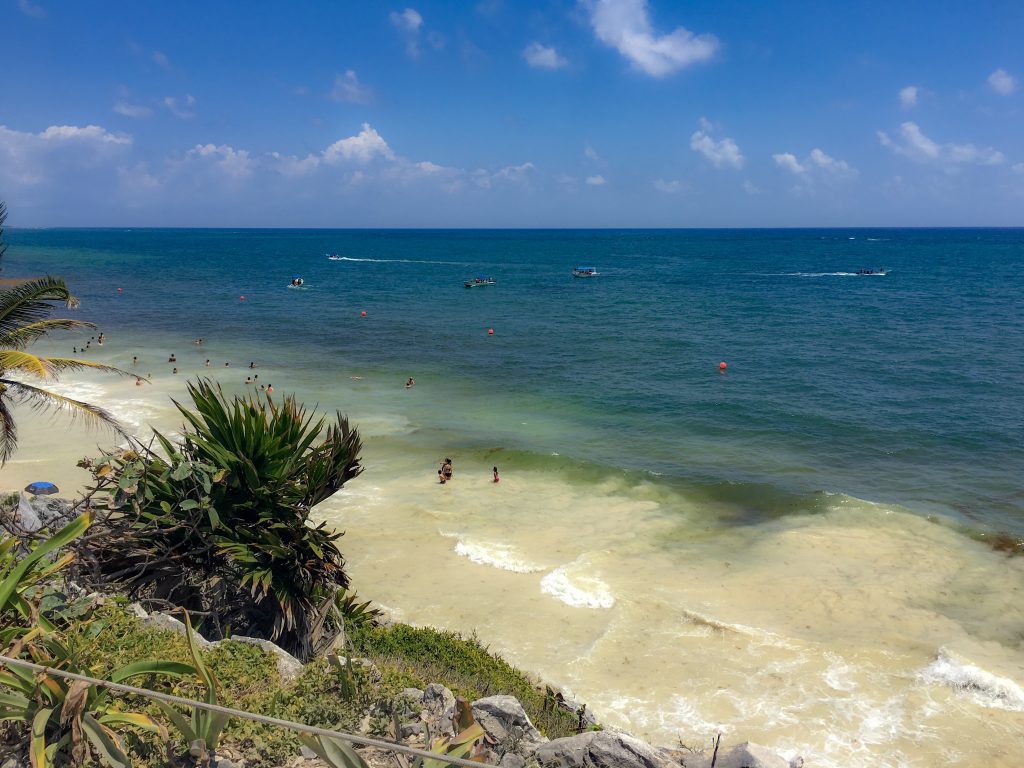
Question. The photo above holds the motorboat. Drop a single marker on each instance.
(476, 282)
(334, 257)
(880, 272)
(584, 272)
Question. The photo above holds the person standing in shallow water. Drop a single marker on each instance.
(496, 478)
(445, 472)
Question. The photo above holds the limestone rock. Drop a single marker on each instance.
(745, 755)
(163, 621)
(505, 720)
(439, 710)
(511, 761)
(601, 749)
(53, 512)
(288, 667)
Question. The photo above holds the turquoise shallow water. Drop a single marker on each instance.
(905, 389)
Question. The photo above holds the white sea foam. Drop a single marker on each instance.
(580, 590)
(499, 556)
(838, 676)
(982, 687)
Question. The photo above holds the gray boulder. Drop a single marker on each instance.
(163, 621)
(504, 720)
(288, 667)
(745, 755)
(439, 710)
(601, 749)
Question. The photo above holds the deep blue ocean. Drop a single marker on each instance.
(903, 389)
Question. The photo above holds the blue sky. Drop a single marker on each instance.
(496, 113)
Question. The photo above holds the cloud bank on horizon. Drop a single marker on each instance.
(492, 114)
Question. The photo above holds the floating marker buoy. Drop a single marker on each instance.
(120, 290)
(363, 313)
(490, 331)
(722, 366)
(241, 298)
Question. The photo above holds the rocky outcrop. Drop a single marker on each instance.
(601, 749)
(506, 723)
(745, 755)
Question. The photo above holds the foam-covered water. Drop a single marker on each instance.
(777, 552)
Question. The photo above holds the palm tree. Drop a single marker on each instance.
(3, 218)
(24, 318)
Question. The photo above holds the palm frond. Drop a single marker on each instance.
(20, 338)
(8, 429)
(32, 301)
(43, 399)
(49, 367)
(3, 220)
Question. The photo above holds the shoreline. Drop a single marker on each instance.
(643, 594)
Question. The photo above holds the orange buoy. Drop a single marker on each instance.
(490, 331)
(722, 366)
(363, 313)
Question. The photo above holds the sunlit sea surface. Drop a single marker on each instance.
(795, 550)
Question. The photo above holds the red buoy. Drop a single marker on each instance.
(363, 313)
(241, 298)
(722, 366)
(490, 331)
(120, 290)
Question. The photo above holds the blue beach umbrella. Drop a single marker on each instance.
(42, 488)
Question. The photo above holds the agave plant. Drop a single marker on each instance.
(75, 719)
(202, 729)
(220, 522)
(24, 318)
(20, 576)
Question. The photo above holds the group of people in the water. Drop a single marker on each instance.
(445, 473)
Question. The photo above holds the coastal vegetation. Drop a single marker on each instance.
(218, 522)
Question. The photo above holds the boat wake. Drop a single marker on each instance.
(400, 261)
(833, 274)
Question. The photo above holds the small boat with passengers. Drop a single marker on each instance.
(584, 272)
(880, 272)
(476, 282)
(334, 257)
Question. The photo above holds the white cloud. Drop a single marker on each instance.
(181, 108)
(788, 161)
(161, 60)
(348, 88)
(361, 148)
(818, 166)
(516, 174)
(27, 159)
(597, 181)
(908, 96)
(294, 167)
(235, 163)
(626, 26)
(669, 186)
(132, 110)
(835, 168)
(1002, 82)
(31, 9)
(591, 154)
(918, 147)
(543, 57)
(750, 188)
(408, 23)
(90, 133)
(1019, 168)
(722, 154)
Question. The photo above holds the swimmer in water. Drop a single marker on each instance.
(410, 383)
